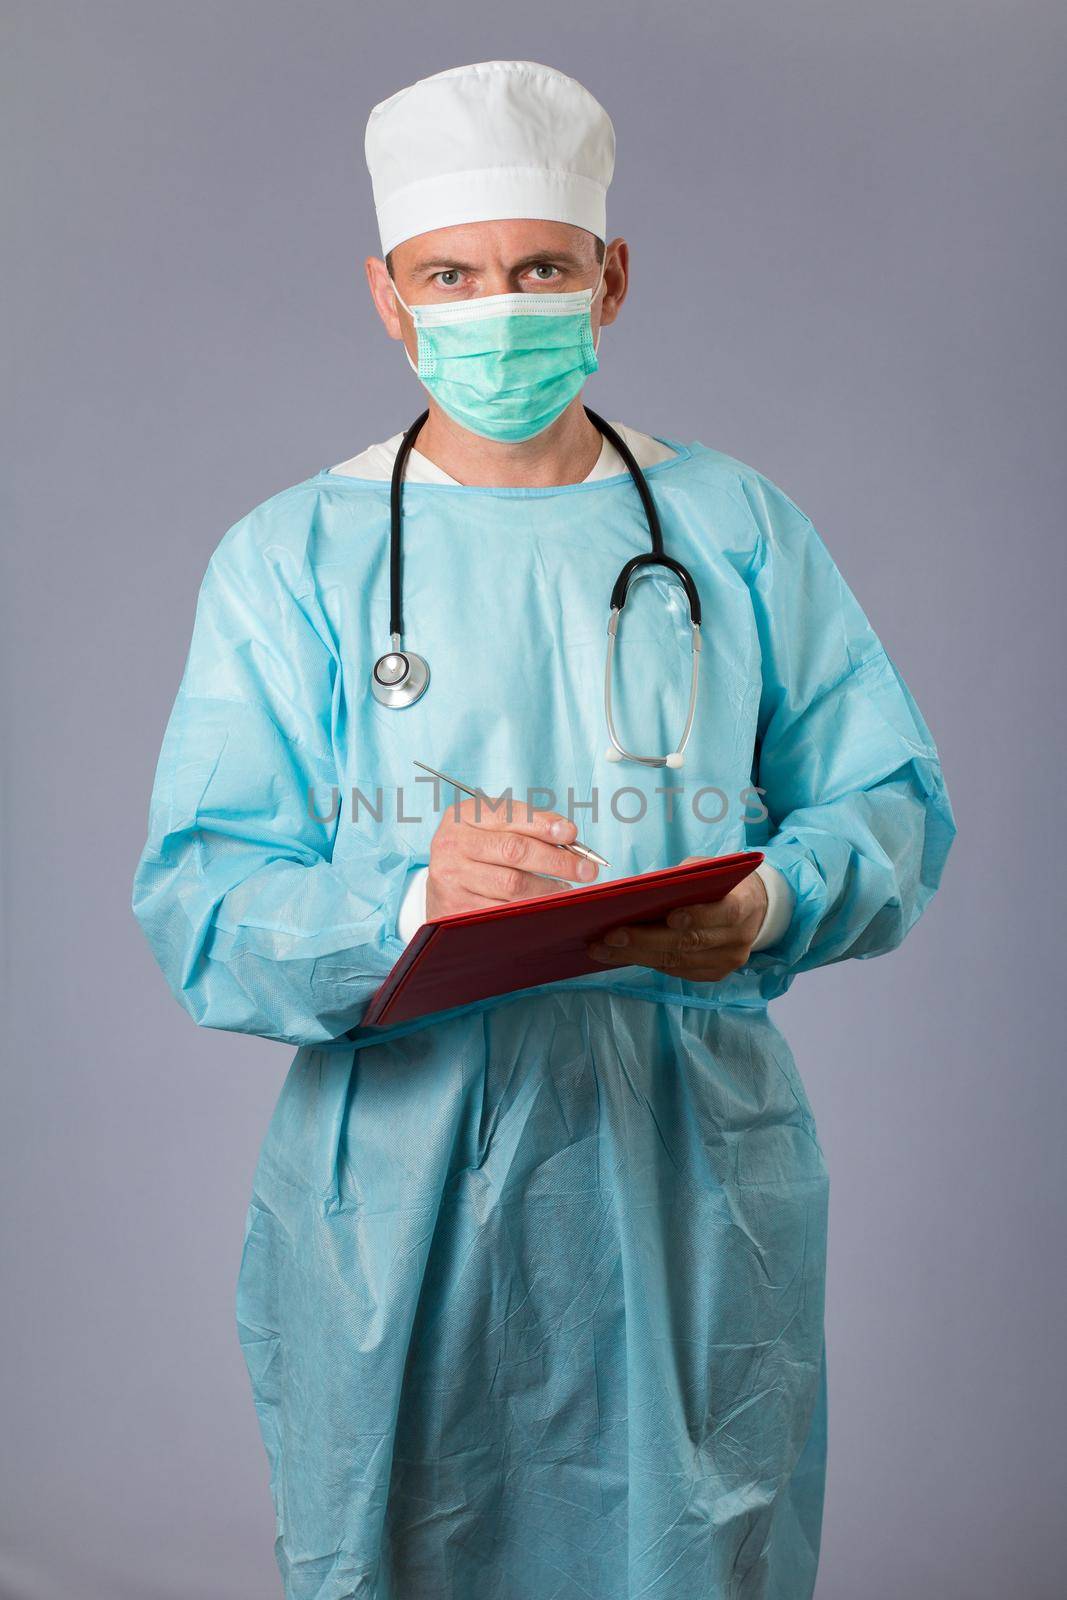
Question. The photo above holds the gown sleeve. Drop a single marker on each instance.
(859, 818)
(264, 919)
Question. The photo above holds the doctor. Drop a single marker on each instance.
(532, 1292)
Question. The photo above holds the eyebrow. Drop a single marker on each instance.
(563, 258)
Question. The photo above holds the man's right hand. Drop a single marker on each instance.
(481, 856)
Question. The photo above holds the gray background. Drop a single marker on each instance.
(848, 230)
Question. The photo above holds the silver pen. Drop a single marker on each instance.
(576, 849)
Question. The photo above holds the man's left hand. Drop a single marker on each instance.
(701, 943)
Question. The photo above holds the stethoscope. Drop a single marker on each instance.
(400, 677)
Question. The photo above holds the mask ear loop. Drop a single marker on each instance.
(596, 291)
(400, 299)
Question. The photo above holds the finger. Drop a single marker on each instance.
(699, 966)
(526, 853)
(661, 960)
(656, 939)
(500, 884)
(515, 816)
(725, 913)
(461, 900)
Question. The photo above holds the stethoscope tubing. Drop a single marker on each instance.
(399, 694)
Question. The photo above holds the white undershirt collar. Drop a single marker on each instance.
(376, 462)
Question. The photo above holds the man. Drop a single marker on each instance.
(532, 1291)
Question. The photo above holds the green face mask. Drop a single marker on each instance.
(506, 365)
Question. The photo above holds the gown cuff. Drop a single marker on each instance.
(412, 913)
(779, 907)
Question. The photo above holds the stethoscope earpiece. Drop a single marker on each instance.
(675, 760)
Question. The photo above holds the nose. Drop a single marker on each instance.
(497, 281)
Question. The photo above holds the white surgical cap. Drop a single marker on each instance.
(498, 139)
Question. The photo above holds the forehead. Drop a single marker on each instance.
(496, 243)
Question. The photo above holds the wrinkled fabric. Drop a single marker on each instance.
(531, 1294)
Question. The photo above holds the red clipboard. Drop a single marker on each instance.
(476, 955)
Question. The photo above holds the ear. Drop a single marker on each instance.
(381, 292)
(616, 280)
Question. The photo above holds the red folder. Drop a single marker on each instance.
(474, 955)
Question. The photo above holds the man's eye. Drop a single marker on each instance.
(544, 272)
(449, 278)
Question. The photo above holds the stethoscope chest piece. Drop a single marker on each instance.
(399, 678)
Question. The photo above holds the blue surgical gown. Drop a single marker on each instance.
(531, 1293)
